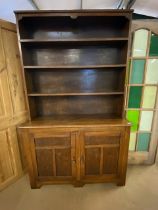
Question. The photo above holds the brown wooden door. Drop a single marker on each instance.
(54, 155)
(100, 155)
(12, 105)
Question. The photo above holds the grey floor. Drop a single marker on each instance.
(140, 193)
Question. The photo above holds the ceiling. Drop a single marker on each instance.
(144, 7)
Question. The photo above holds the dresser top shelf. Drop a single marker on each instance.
(75, 121)
(34, 12)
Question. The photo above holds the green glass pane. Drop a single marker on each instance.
(149, 97)
(153, 45)
(135, 94)
(146, 121)
(152, 71)
(132, 142)
(140, 43)
(143, 141)
(137, 73)
(133, 117)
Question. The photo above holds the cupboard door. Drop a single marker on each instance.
(54, 155)
(100, 154)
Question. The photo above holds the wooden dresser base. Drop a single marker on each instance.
(79, 154)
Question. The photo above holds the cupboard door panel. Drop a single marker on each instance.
(44, 162)
(10, 163)
(56, 141)
(5, 101)
(54, 154)
(100, 154)
(2, 55)
(6, 156)
(92, 161)
(110, 160)
(63, 162)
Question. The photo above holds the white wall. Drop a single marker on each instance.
(76, 4)
(146, 7)
(7, 8)
(100, 4)
(58, 4)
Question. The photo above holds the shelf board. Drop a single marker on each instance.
(101, 39)
(76, 67)
(76, 94)
(76, 120)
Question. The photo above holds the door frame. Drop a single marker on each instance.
(146, 157)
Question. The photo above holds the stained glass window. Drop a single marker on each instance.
(143, 141)
(153, 45)
(135, 95)
(142, 89)
(133, 117)
(146, 121)
(152, 71)
(137, 72)
(132, 142)
(140, 43)
(149, 97)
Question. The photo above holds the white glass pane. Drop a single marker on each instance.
(146, 121)
(132, 143)
(140, 43)
(149, 97)
(152, 71)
